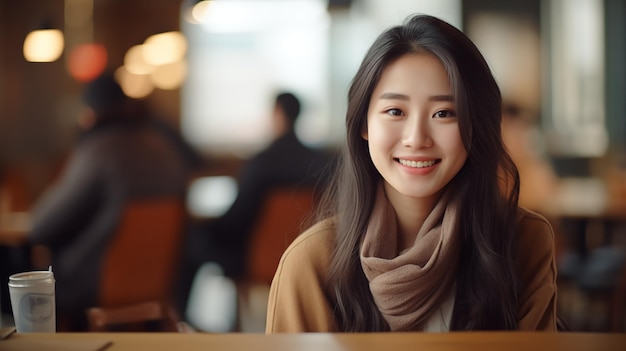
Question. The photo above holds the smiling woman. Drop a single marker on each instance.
(421, 230)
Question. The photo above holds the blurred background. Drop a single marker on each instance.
(209, 70)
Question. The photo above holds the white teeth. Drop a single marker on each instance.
(417, 164)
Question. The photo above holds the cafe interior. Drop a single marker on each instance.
(208, 69)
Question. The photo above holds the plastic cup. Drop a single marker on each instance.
(33, 302)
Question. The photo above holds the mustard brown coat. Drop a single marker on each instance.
(298, 300)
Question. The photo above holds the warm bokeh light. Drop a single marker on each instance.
(135, 63)
(158, 62)
(164, 48)
(170, 76)
(134, 85)
(199, 11)
(87, 61)
(44, 45)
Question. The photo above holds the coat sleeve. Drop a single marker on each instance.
(538, 271)
(297, 300)
(68, 205)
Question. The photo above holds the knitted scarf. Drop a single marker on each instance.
(407, 287)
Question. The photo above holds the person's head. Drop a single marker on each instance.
(441, 76)
(104, 99)
(475, 96)
(412, 129)
(286, 112)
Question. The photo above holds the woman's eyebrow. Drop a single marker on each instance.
(441, 98)
(398, 96)
(394, 96)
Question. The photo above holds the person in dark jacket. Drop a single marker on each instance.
(286, 163)
(119, 157)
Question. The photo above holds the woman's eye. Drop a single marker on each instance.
(394, 112)
(443, 114)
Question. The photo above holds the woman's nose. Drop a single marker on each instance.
(417, 133)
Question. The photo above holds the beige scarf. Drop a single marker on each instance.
(408, 287)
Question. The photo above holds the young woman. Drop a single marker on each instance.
(421, 230)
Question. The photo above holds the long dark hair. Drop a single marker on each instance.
(488, 186)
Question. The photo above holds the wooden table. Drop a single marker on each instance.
(479, 341)
(588, 203)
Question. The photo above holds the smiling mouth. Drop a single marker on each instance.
(418, 164)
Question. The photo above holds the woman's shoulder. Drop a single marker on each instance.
(298, 300)
(315, 243)
(534, 226)
(536, 243)
(304, 264)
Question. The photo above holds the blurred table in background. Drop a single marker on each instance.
(591, 210)
(591, 221)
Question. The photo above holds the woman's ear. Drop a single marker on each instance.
(364, 131)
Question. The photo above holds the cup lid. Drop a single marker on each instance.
(33, 277)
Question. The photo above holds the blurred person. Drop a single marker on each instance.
(421, 229)
(14, 253)
(538, 181)
(120, 156)
(284, 163)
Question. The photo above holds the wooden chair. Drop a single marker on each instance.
(139, 269)
(279, 224)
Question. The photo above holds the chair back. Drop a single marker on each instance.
(139, 267)
(142, 258)
(279, 224)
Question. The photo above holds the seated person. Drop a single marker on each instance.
(285, 163)
(119, 157)
(423, 231)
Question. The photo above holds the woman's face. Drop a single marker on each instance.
(412, 128)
